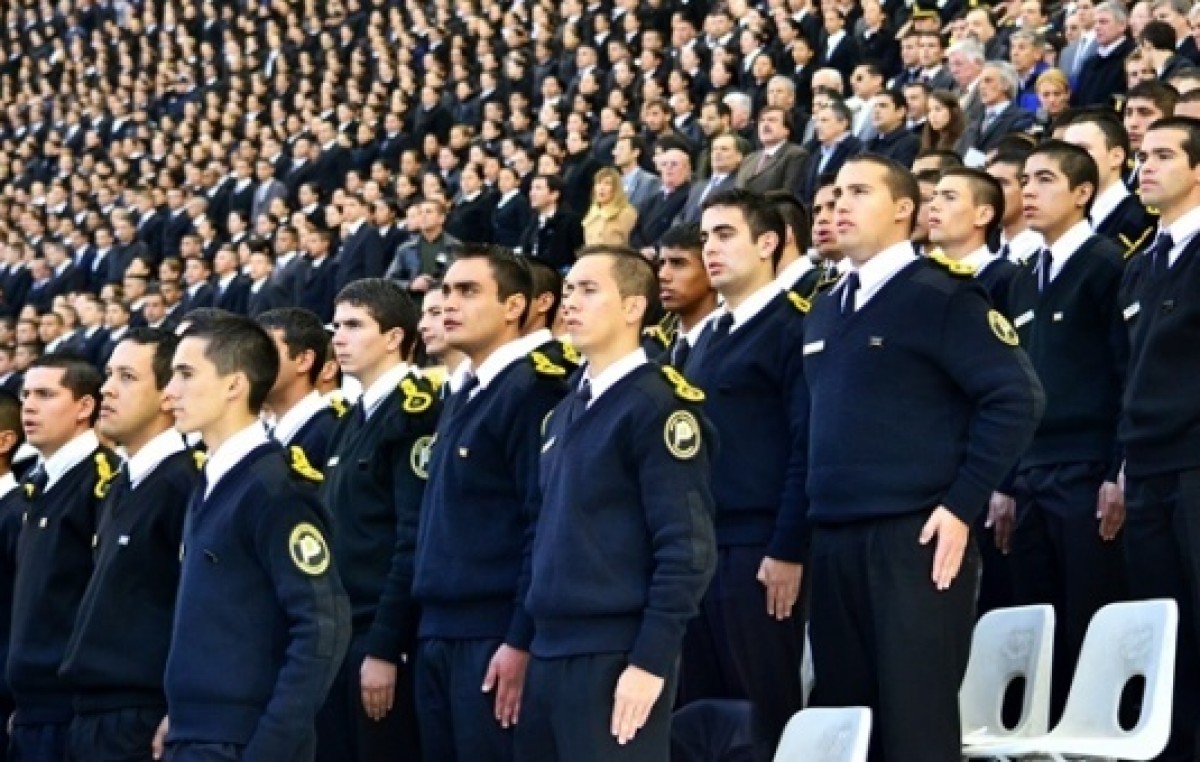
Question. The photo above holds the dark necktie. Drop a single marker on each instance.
(36, 482)
(849, 294)
(723, 327)
(1045, 265)
(680, 352)
(1160, 255)
(1005, 252)
(459, 399)
(579, 401)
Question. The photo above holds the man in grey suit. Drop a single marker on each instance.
(966, 59)
(779, 163)
(641, 187)
(725, 158)
(267, 190)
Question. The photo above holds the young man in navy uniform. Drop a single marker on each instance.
(1160, 420)
(54, 554)
(374, 482)
(118, 650)
(748, 641)
(261, 621)
(303, 418)
(624, 546)
(478, 516)
(12, 509)
(542, 315)
(685, 290)
(921, 402)
(1068, 504)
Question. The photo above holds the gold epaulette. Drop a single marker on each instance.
(105, 473)
(658, 334)
(437, 375)
(801, 304)
(570, 353)
(338, 403)
(544, 366)
(301, 465)
(1132, 247)
(683, 389)
(415, 399)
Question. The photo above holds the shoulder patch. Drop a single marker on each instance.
(415, 399)
(301, 465)
(682, 435)
(418, 457)
(683, 390)
(105, 473)
(544, 366)
(338, 403)
(1002, 328)
(570, 353)
(801, 304)
(951, 266)
(657, 333)
(308, 549)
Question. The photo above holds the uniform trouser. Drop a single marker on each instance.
(457, 719)
(120, 735)
(38, 742)
(346, 734)
(735, 650)
(1059, 558)
(6, 710)
(204, 752)
(566, 715)
(995, 581)
(1162, 547)
(884, 637)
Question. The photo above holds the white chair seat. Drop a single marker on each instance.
(826, 734)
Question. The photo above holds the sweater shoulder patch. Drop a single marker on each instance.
(300, 464)
(681, 434)
(801, 304)
(1002, 328)
(414, 398)
(683, 389)
(105, 473)
(954, 267)
(544, 366)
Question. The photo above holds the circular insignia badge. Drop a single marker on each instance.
(419, 456)
(1002, 328)
(682, 435)
(309, 552)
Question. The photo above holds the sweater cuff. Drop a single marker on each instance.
(520, 630)
(383, 643)
(658, 644)
(966, 500)
(790, 543)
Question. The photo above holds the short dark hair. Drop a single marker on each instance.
(238, 344)
(762, 215)
(784, 114)
(899, 180)
(80, 377)
(512, 275)
(543, 279)
(1159, 35)
(388, 304)
(1013, 156)
(1076, 163)
(302, 331)
(945, 158)
(896, 97)
(634, 274)
(1191, 130)
(164, 343)
(554, 183)
(985, 191)
(795, 216)
(1107, 123)
(1164, 97)
(682, 236)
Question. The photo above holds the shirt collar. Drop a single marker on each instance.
(876, 272)
(1182, 231)
(8, 483)
(504, 356)
(791, 275)
(692, 336)
(753, 305)
(153, 453)
(382, 387)
(1023, 245)
(534, 340)
(979, 259)
(301, 413)
(455, 378)
(1107, 50)
(615, 372)
(231, 452)
(1107, 202)
(69, 455)
(1062, 249)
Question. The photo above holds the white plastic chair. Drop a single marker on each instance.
(1124, 640)
(1007, 644)
(826, 735)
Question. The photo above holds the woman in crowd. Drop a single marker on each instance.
(1054, 96)
(945, 124)
(611, 216)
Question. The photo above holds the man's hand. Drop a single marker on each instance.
(952, 537)
(782, 580)
(158, 746)
(506, 674)
(1110, 509)
(378, 680)
(1001, 519)
(637, 690)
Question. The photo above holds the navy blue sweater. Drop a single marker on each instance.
(624, 547)
(481, 505)
(313, 437)
(374, 482)
(54, 562)
(755, 396)
(261, 623)
(1073, 335)
(12, 509)
(1160, 424)
(118, 650)
(916, 399)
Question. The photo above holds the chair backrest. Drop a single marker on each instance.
(1123, 641)
(1008, 644)
(826, 735)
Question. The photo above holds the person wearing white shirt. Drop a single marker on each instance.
(302, 416)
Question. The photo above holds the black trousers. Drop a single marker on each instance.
(38, 742)
(457, 719)
(6, 710)
(1162, 547)
(995, 580)
(1059, 558)
(883, 635)
(122, 735)
(346, 734)
(735, 650)
(567, 710)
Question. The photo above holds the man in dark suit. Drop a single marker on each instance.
(675, 167)
(892, 138)
(14, 283)
(726, 157)
(392, 142)
(65, 277)
(315, 287)
(333, 162)
(263, 294)
(361, 254)
(511, 215)
(839, 48)
(300, 172)
(267, 190)
(835, 144)
(91, 336)
(231, 288)
(199, 293)
(779, 162)
(177, 224)
(1103, 75)
(554, 234)
(997, 89)
(289, 263)
(127, 247)
(150, 222)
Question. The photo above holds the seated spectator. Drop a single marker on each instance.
(611, 217)
(675, 168)
(511, 214)
(1054, 96)
(997, 91)
(425, 259)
